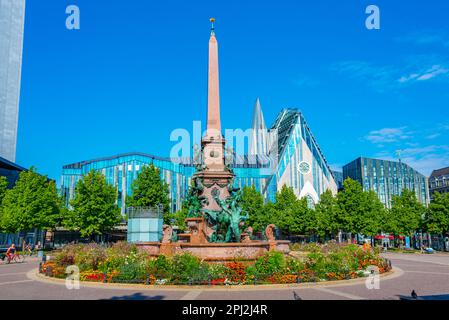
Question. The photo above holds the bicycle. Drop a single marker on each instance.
(16, 258)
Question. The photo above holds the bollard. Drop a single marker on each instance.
(298, 279)
(148, 281)
(210, 281)
(105, 277)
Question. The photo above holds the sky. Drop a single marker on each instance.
(136, 70)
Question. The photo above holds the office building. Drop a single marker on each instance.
(12, 14)
(387, 178)
(439, 181)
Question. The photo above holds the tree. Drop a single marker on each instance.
(349, 205)
(253, 203)
(437, 215)
(359, 211)
(178, 218)
(293, 215)
(32, 203)
(407, 213)
(149, 190)
(369, 222)
(326, 215)
(94, 206)
(3, 188)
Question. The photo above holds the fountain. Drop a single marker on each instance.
(215, 217)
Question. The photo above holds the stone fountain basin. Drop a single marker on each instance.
(217, 252)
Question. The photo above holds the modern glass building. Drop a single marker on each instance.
(439, 181)
(10, 171)
(12, 14)
(298, 163)
(338, 175)
(387, 178)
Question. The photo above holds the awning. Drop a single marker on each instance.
(379, 237)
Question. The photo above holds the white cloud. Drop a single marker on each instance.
(428, 74)
(378, 77)
(426, 38)
(388, 135)
(303, 81)
(414, 69)
(423, 159)
(433, 136)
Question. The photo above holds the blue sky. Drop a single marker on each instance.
(137, 69)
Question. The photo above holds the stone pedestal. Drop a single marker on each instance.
(217, 252)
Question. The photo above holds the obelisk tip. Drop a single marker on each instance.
(212, 27)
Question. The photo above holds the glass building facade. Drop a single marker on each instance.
(12, 14)
(439, 181)
(338, 175)
(387, 178)
(299, 163)
(10, 171)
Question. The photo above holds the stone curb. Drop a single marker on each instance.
(35, 275)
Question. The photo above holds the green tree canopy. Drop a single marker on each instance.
(349, 205)
(293, 215)
(149, 190)
(253, 203)
(3, 188)
(359, 211)
(406, 213)
(94, 206)
(33, 202)
(326, 215)
(437, 215)
(369, 222)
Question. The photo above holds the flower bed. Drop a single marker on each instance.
(125, 263)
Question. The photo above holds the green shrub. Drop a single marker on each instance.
(217, 271)
(293, 265)
(134, 271)
(272, 262)
(67, 255)
(160, 267)
(316, 261)
(252, 274)
(90, 256)
(186, 267)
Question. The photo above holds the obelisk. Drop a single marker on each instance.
(213, 89)
(215, 175)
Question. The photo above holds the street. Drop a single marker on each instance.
(426, 274)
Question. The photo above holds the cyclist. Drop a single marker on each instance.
(28, 248)
(10, 253)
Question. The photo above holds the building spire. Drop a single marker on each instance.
(258, 144)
